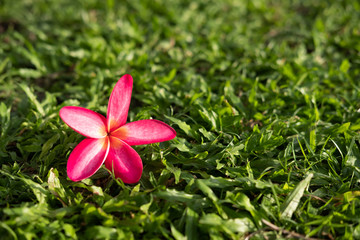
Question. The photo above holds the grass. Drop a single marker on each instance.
(264, 96)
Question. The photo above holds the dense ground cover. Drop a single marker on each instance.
(264, 96)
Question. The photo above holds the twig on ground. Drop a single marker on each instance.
(290, 234)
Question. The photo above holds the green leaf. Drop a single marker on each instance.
(38, 190)
(32, 98)
(9, 230)
(345, 65)
(55, 186)
(3, 64)
(242, 200)
(70, 231)
(48, 145)
(176, 234)
(211, 195)
(174, 170)
(169, 77)
(230, 226)
(182, 125)
(343, 128)
(192, 219)
(293, 199)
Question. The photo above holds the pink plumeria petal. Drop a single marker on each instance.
(119, 103)
(124, 161)
(84, 121)
(87, 157)
(145, 132)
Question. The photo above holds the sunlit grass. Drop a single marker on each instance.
(264, 97)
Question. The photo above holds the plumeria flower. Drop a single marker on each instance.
(109, 139)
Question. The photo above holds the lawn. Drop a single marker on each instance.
(264, 97)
